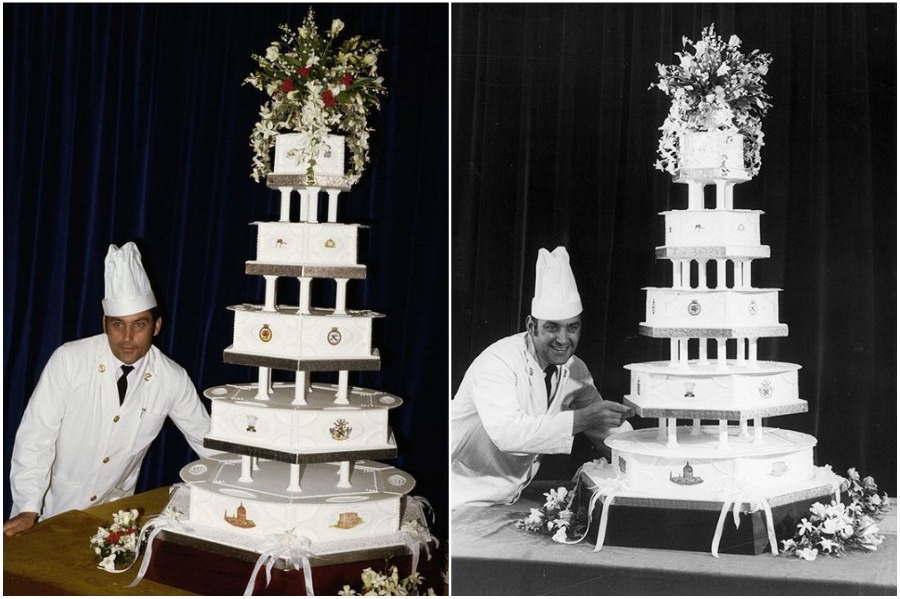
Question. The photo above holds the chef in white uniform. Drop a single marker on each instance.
(527, 395)
(77, 445)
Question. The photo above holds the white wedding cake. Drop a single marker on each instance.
(711, 449)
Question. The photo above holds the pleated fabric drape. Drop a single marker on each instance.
(554, 138)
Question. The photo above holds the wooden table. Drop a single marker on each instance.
(55, 557)
(489, 556)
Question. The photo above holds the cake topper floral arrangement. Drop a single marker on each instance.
(714, 88)
(316, 86)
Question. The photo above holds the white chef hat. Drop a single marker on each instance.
(555, 292)
(127, 286)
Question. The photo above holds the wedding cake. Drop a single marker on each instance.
(299, 482)
(711, 450)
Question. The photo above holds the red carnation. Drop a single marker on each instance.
(347, 79)
(288, 85)
(328, 98)
(303, 71)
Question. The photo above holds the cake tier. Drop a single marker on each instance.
(320, 511)
(736, 252)
(318, 430)
(305, 271)
(285, 334)
(711, 308)
(710, 156)
(705, 228)
(292, 155)
(699, 468)
(306, 243)
(735, 391)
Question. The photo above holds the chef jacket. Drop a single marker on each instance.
(501, 422)
(77, 447)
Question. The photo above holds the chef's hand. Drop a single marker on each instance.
(19, 523)
(602, 415)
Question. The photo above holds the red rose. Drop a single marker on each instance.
(347, 79)
(113, 538)
(328, 98)
(288, 85)
(303, 71)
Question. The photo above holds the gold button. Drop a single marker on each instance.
(93, 498)
(105, 460)
(116, 419)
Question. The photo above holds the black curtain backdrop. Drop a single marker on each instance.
(554, 139)
(129, 122)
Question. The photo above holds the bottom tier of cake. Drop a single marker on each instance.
(321, 502)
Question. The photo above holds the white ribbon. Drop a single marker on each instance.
(170, 519)
(295, 550)
(734, 498)
(607, 488)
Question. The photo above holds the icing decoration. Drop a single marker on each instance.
(687, 477)
(330, 244)
(265, 334)
(694, 308)
(753, 308)
(341, 430)
(334, 336)
(766, 389)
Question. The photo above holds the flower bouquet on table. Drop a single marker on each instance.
(379, 583)
(557, 518)
(118, 545)
(316, 87)
(833, 528)
(717, 92)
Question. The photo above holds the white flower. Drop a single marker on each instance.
(560, 536)
(808, 553)
(272, 53)
(108, 563)
(734, 41)
(336, 27)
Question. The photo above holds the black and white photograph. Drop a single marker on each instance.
(673, 299)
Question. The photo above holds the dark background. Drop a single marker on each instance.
(554, 139)
(130, 123)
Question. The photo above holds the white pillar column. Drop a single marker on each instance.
(752, 356)
(757, 430)
(701, 274)
(343, 384)
(703, 358)
(300, 388)
(695, 195)
(720, 195)
(683, 353)
(729, 196)
(265, 377)
(303, 303)
(685, 274)
(246, 470)
(285, 215)
(721, 353)
(741, 348)
(332, 204)
(723, 434)
(270, 292)
(695, 428)
(344, 475)
(312, 214)
(676, 273)
(745, 432)
(294, 483)
(661, 430)
(721, 273)
(340, 303)
(304, 203)
(255, 462)
(746, 283)
(672, 437)
(673, 352)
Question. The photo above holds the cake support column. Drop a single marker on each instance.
(270, 292)
(332, 204)
(752, 354)
(300, 389)
(703, 358)
(304, 203)
(294, 483)
(695, 429)
(340, 303)
(312, 214)
(701, 274)
(671, 427)
(661, 430)
(723, 434)
(343, 383)
(344, 475)
(757, 431)
(265, 377)
(673, 352)
(285, 215)
(695, 195)
(303, 303)
(721, 273)
(246, 469)
(721, 353)
(721, 203)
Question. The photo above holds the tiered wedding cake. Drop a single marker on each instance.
(297, 480)
(713, 316)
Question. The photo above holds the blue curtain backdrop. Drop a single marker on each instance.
(554, 139)
(129, 122)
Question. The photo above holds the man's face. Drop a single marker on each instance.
(554, 340)
(130, 337)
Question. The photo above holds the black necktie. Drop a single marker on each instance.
(549, 371)
(123, 382)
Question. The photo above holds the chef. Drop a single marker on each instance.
(99, 404)
(527, 395)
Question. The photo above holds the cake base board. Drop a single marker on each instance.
(690, 525)
(312, 271)
(209, 568)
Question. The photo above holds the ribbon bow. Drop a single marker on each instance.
(293, 548)
(607, 485)
(416, 536)
(733, 497)
(170, 519)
